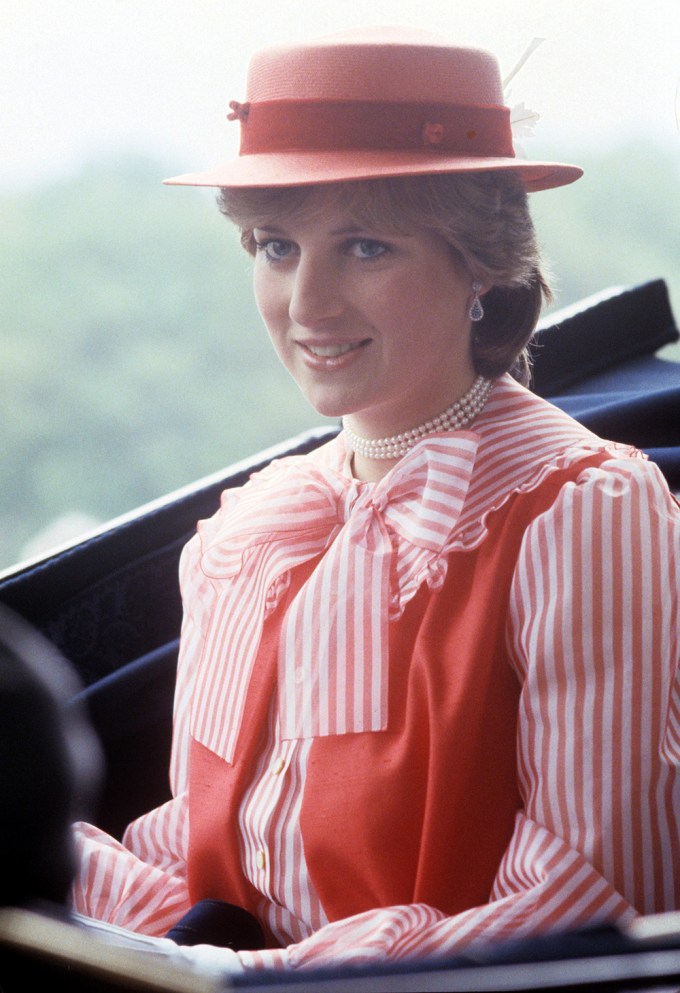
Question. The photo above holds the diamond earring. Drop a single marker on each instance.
(476, 311)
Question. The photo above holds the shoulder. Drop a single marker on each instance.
(537, 439)
(527, 447)
(629, 495)
(527, 432)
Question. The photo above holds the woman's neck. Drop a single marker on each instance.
(372, 458)
(371, 470)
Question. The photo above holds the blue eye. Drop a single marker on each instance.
(368, 248)
(274, 249)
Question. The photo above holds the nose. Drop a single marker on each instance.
(316, 293)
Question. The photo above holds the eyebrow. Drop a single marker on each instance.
(349, 229)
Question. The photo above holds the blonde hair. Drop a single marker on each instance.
(484, 217)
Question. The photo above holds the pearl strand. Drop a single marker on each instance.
(455, 417)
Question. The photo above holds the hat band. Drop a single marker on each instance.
(342, 125)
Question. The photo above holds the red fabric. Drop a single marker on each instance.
(309, 125)
(422, 812)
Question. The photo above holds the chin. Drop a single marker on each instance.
(329, 406)
(335, 411)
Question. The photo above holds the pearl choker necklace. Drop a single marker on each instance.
(457, 416)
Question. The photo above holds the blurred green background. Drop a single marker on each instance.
(133, 361)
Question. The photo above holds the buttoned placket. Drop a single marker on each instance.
(261, 811)
(272, 854)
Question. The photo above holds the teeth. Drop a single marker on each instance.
(330, 351)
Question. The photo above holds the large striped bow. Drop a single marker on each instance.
(378, 544)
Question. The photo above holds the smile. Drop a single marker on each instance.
(332, 351)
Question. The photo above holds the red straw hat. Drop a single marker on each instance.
(373, 103)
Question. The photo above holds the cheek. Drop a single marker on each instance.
(442, 298)
(427, 305)
(269, 297)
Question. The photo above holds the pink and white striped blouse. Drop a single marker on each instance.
(596, 579)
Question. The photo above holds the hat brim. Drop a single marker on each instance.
(304, 168)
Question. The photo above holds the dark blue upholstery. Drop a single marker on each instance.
(131, 709)
(599, 365)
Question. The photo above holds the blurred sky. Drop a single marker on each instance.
(82, 78)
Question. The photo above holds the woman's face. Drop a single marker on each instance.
(369, 324)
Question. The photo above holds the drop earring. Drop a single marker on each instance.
(476, 311)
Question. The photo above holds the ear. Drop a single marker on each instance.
(484, 288)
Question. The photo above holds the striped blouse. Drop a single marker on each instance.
(591, 632)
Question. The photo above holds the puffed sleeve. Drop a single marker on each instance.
(593, 633)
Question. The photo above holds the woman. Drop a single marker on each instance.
(428, 684)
